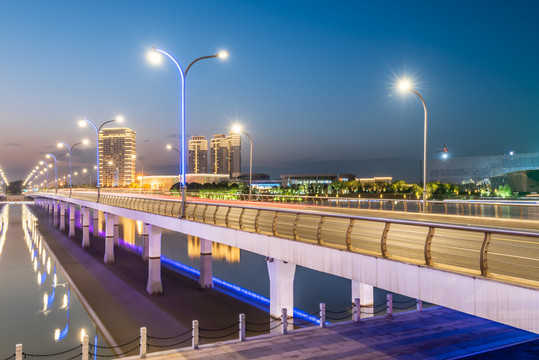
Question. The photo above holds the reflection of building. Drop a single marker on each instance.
(219, 146)
(315, 178)
(198, 155)
(478, 168)
(116, 164)
(219, 251)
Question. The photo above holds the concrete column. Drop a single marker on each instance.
(109, 238)
(55, 213)
(364, 292)
(72, 220)
(63, 206)
(18, 352)
(85, 223)
(116, 229)
(143, 342)
(154, 285)
(55, 207)
(145, 242)
(281, 276)
(206, 276)
(96, 222)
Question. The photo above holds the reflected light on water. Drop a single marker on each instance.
(39, 277)
(45, 302)
(139, 227)
(49, 265)
(82, 333)
(65, 302)
(219, 251)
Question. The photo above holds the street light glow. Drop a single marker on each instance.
(236, 128)
(119, 119)
(169, 146)
(154, 57)
(405, 85)
(222, 55)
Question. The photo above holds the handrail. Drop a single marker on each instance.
(503, 254)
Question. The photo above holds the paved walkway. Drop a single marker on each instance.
(437, 333)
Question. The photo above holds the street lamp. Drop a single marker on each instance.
(135, 157)
(238, 130)
(169, 147)
(83, 122)
(70, 148)
(155, 57)
(55, 170)
(405, 85)
(47, 165)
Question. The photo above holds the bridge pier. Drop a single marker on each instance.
(109, 238)
(95, 223)
(206, 276)
(55, 213)
(72, 210)
(116, 229)
(281, 276)
(63, 206)
(364, 292)
(85, 224)
(154, 285)
(145, 241)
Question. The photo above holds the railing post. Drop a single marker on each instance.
(18, 352)
(322, 315)
(195, 334)
(143, 342)
(357, 313)
(242, 327)
(419, 305)
(284, 321)
(85, 347)
(390, 305)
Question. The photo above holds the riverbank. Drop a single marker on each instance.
(115, 295)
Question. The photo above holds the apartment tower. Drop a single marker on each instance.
(116, 152)
(198, 155)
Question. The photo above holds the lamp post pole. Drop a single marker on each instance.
(183, 75)
(238, 130)
(97, 130)
(135, 157)
(55, 171)
(70, 148)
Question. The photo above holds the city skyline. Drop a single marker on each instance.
(311, 82)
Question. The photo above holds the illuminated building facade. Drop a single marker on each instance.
(116, 163)
(234, 157)
(219, 151)
(198, 155)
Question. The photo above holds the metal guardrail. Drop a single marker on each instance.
(506, 255)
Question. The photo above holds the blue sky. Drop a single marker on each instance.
(311, 81)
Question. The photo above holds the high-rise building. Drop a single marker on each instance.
(219, 147)
(116, 162)
(198, 155)
(234, 154)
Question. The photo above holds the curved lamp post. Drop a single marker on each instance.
(135, 157)
(70, 148)
(406, 85)
(55, 170)
(82, 122)
(237, 129)
(156, 58)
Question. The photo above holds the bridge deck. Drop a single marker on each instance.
(437, 333)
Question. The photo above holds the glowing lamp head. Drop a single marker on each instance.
(60, 145)
(236, 129)
(119, 118)
(405, 85)
(222, 55)
(444, 155)
(133, 156)
(48, 156)
(511, 153)
(85, 141)
(169, 147)
(154, 57)
(82, 122)
(42, 162)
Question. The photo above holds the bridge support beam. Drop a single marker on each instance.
(281, 276)
(116, 229)
(109, 238)
(95, 223)
(364, 292)
(63, 206)
(85, 224)
(145, 242)
(72, 220)
(154, 285)
(206, 276)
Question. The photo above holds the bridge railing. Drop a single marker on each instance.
(506, 255)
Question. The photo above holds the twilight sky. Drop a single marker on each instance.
(313, 82)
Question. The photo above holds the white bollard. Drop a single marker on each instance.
(143, 342)
(18, 352)
(85, 347)
(322, 315)
(195, 334)
(242, 327)
(284, 322)
(357, 313)
(419, 305)
(389, 304)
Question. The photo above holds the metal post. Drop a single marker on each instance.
(143, 342)
(419, 305)
(357, 313)
(195, 334)
(389, 305)
(242, 327)
(284, 322)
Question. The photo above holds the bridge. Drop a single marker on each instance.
(490, 272)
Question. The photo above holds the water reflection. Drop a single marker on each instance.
(4, 222)
(219, 251)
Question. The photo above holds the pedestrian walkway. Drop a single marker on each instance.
(436, 333)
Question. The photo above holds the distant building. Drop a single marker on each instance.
(234, 157)
(116, 162)
(379, 179)
(478, 168)
(219, 151)
(198, 155)
(315, 178)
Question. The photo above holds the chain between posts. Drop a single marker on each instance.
(54, 354)
(116, 355)
(170, 345)
(113, 347)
